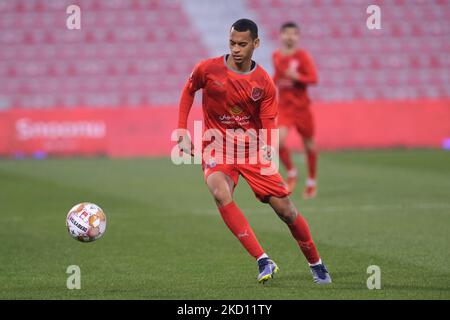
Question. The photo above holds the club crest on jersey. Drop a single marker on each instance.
(256, 93)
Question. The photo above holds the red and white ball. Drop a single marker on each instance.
(86, 222)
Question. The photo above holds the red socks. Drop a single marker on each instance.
(311, 157)
(286, 159)
(300, 231)
(238, 224)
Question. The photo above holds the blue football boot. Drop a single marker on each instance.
(320, 274)
(267, 268)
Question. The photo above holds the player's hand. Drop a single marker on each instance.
(291, 74)
(267, 152)
(184, 142)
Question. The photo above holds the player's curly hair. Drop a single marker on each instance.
(243, 25)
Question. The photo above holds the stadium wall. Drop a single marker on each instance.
(131, 132)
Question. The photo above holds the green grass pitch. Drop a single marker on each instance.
(166, 240)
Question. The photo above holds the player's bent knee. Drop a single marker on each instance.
(222, 197)
(289, 213)
(285, 209)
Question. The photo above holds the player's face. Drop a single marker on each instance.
(242, 46)
(290, 37)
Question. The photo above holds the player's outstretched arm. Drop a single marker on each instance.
(185, 105)
(194, 83)
(186, 101)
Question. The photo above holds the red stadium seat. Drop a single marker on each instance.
(135, 52)
(123, 50)
(334, 32)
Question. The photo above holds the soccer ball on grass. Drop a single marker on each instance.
(86, 222)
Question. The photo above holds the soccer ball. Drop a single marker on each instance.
(86, 222)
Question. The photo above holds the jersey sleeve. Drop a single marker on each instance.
(309, 70)
(277, 68)
(269, 104)
(196, 79)
(269, 110)
(194, 83)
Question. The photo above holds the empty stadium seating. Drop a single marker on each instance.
(139, 52)
(127, 53)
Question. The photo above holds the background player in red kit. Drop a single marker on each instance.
(294, 72)
(239, 94)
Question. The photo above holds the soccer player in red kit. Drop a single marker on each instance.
(239, 95)
(294, 72)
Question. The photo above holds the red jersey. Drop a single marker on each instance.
(294, 94)
(230, 99)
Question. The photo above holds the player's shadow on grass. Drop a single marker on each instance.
(295, 279)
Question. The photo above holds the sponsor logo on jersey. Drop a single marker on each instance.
(235, 110)
(241, 120)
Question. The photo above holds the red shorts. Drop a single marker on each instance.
(264, 186)
(299, 118)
